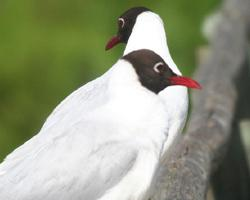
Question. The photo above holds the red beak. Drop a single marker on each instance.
(185, 81)
(112, 42)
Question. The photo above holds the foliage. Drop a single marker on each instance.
(48, 48)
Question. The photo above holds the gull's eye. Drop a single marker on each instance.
(121, 22)
(159, 67)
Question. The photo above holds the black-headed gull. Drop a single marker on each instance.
(140, 28)
(103, 142)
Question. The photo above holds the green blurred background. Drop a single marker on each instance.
(48, 48)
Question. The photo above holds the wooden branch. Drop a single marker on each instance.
(188, 170)
(232, 180)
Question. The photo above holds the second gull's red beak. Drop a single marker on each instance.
(112, 42)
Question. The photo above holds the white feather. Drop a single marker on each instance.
(106, 139)
(102, 142)
(149, 33)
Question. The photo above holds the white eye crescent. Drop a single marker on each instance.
(122, 22)
(158, 67)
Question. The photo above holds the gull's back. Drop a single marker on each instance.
(91, 147)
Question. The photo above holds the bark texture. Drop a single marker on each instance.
(212, 142)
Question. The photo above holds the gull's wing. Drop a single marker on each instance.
(77, 104)
(75, 156)
(79, 166)
(83, 164)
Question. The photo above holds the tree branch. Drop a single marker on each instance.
(203, 147)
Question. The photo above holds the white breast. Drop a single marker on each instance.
(149, 33)
(95, 144)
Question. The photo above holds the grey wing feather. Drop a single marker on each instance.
(53, 165)
(116, 162)
(94, 175)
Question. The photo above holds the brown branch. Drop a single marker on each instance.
(203, 147)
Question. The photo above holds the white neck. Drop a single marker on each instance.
(123, 75)
(124, 81)
(149, 33)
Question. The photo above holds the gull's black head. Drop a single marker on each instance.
(154, 73)
(126, 23)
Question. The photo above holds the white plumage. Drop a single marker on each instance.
(102, 141)
(105, 140)
(149, 33)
